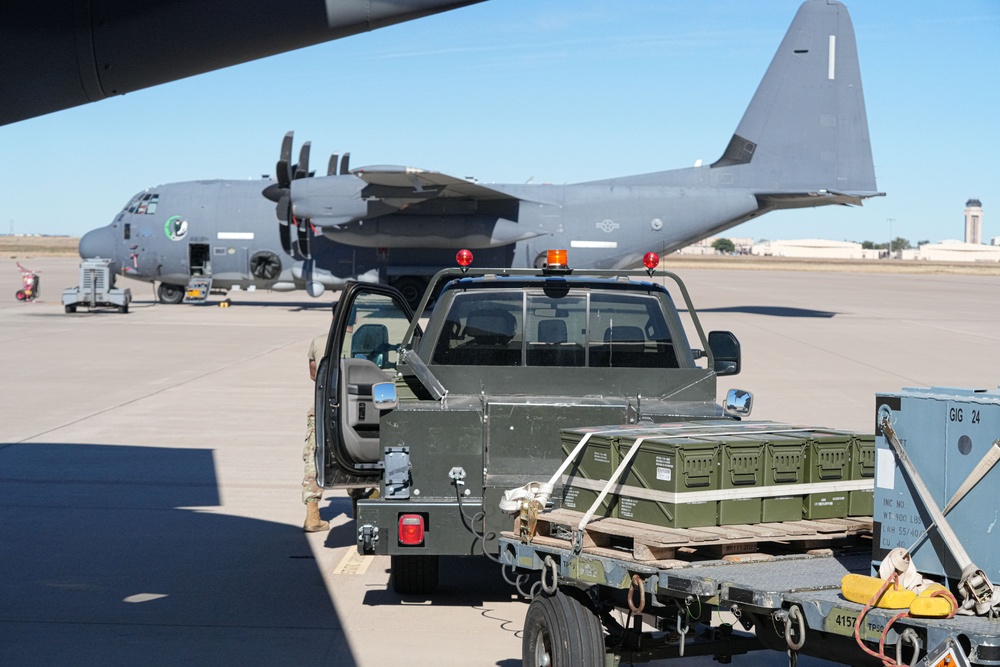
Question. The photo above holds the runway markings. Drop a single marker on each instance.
(353, 563)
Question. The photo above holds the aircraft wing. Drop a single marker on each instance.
(389, 182)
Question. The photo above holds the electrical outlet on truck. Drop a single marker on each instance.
(445, 418)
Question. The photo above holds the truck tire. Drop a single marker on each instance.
(414, 574)
(171, 294)
(71, 308)
(560, 631)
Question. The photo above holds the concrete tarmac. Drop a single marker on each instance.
(150, 465)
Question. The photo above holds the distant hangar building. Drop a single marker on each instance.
(813, 248)
(954, 251)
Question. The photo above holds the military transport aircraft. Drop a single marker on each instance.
(57, 55)
(802, 142)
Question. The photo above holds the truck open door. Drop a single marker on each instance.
(369, 323)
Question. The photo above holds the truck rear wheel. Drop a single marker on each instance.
(560, 631)
(414, 574)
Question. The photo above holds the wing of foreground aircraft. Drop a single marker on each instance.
(63, 53)
(803, 142)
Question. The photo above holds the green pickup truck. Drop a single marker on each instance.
(443, 410)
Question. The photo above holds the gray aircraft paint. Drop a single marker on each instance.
(57, 55)
(803, 142)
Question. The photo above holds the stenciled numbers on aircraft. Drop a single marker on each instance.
(656, 224)
(608, 226)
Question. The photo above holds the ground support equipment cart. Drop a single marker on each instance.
(631, 593)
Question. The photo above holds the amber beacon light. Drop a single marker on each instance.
(556, 259)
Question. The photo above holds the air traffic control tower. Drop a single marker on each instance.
(974, 221)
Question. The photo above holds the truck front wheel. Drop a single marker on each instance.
(560, 631)
(414, 574)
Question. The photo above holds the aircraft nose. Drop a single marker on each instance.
(97, 243)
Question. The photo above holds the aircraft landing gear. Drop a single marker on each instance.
(170, 293)
(411, 287)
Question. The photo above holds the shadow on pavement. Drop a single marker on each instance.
(101, 564)
(465, 581)
(773, 311)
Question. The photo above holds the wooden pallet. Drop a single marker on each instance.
(663, 546)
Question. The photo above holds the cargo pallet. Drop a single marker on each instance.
(667, 547)
(624, 593)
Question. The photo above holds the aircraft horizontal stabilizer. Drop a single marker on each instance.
(780, 200)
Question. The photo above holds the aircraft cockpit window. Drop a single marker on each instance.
(143, 204)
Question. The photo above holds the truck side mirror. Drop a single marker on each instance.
(726, 352)
(739, 403)
(384, 395)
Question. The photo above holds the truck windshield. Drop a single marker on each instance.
(533, 328)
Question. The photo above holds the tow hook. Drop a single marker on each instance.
(368, 538)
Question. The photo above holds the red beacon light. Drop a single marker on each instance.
(464, 258)
(650, 260)
(556, 261)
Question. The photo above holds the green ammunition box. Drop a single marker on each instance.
(862, 503)
(742, 469)
(590, 469)
(784, 466)
(666, 470)
(828, 461)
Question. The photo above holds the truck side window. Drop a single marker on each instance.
(375, 331)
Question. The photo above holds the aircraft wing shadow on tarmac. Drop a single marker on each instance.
(103, 566)
(802, 142)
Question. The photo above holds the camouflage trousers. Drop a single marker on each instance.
(311, 492)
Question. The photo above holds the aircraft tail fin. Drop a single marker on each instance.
(806, 129)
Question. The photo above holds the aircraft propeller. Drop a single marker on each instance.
(281, 194)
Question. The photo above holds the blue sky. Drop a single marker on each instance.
(556, 91)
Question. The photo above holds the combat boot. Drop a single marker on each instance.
(313, 523)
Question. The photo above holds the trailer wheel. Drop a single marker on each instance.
(171, 294)
(414, 574)
(560, 631)
(123, 308)
(71, 308)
